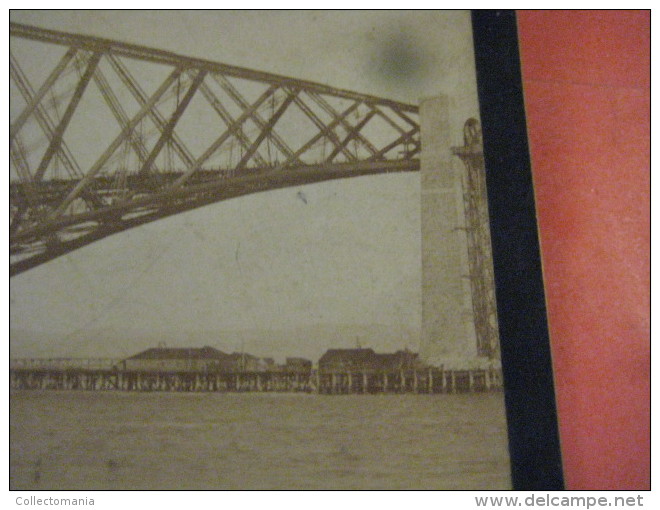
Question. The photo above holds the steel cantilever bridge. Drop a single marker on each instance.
(106, 136)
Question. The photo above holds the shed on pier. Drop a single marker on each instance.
(400, 360)
(298, 366)
(366, 360)
(177, 359)
(347, 360)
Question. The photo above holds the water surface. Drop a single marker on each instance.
(114, 440)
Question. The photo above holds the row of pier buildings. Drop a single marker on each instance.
(338, 371)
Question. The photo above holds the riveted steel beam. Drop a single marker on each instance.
(43, 90)
(172, 59)
(66, 118)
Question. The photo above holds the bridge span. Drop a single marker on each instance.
(106, 136)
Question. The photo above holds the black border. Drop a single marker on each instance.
(525, 342)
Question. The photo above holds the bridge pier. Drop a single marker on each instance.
(448, 331)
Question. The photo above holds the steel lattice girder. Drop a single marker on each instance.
(480, 258)
(270, 132)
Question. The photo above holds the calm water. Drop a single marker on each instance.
(76, 440)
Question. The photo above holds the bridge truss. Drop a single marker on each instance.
(480, 257)
(106, 136)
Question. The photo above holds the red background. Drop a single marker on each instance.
(586, 77)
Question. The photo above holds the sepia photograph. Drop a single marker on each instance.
(250, 250)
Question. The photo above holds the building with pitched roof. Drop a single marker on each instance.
(366, 360)
(177, 359)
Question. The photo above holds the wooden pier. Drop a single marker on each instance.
(96, 378)
(431, 380)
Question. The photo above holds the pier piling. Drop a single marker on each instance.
(430, 381)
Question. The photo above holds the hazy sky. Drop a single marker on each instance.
(350, 255)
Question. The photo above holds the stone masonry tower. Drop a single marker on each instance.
(449, 335)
